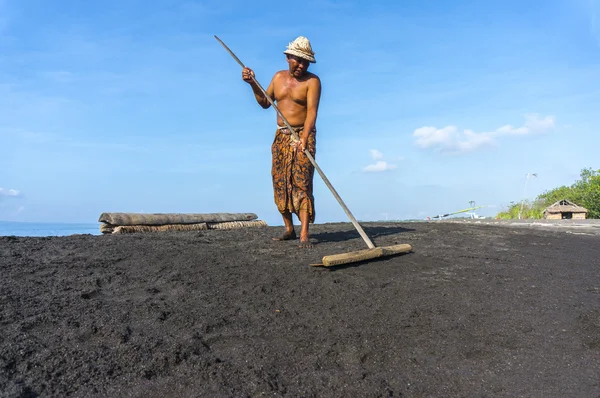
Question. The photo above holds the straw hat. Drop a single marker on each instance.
(301, 48)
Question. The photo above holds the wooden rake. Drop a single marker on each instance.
(343, 258)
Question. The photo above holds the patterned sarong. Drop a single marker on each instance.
(292, 174)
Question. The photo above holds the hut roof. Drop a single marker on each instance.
(564, 206)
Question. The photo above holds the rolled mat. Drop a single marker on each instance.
(129, 229)
(172, 218)
(237, 224)
(107, 228)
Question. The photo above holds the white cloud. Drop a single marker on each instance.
(380, 166)
(450, 140)
(9, 193)
(533, 125)
(376, 155)
(428, 136)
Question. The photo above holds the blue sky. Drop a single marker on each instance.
(133, 106)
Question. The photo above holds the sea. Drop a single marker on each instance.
(10, 228)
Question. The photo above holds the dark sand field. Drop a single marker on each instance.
(473, 311)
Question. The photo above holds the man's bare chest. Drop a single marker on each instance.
(291, 91)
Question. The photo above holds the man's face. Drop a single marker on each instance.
(298, 66)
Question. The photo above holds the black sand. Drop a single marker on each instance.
(474, 311)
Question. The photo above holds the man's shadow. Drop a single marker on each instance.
(373, 232)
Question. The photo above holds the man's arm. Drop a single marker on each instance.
(313, 97)
(247, 75)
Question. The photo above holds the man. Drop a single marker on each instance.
(297, 93)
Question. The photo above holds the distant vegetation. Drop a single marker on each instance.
(584, 192)
(531, 210)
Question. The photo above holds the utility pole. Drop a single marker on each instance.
(524, 192)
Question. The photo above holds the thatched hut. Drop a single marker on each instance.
(565, 210)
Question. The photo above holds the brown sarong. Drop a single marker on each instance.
(292, 174)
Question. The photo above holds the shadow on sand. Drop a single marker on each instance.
(357, 264)
(373, 232)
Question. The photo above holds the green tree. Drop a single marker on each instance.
(584, 192)
(533, 210)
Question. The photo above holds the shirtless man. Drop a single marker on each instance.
(297, 93)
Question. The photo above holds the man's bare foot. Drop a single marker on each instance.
(288, 235)
(305, 243)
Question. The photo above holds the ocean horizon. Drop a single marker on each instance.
(37, 229)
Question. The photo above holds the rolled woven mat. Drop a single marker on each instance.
(237, 224)
(129, 229)
(172, 218)
(106, 228)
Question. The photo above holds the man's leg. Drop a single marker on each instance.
(304, 235)
(281, 154)
(289, 233)
(303, 173)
